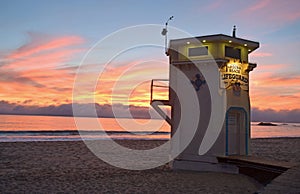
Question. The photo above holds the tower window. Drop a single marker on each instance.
(232, 52)
(198, 51)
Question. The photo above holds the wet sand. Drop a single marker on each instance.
(69, 167)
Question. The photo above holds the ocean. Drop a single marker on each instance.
(15, 128)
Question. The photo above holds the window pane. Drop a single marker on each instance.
(232, 52)
(198, 51)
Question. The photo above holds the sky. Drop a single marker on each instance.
(43, 44)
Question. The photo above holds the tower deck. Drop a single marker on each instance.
(264, 171)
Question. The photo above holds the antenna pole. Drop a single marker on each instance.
(234, 31)
(165, 33)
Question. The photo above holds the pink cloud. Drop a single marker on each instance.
(42, 53)
(43, 60)
(31, 73)
(258, 5)
(274, 13)
(269, 68)
(292, 16)
(274, 101)
(275, 90)
(214, 5)
(276, 80)
(261, 54)
(36, 46)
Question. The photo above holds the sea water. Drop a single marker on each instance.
(15, 128)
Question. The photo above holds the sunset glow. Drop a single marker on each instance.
(38, 64)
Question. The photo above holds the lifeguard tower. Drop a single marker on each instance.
(190, 56)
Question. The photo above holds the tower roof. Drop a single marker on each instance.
(252, 45)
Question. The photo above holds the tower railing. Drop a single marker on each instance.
(155, 103)
(157, 83)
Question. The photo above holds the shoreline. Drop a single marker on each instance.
(69, 166)
(128, 139)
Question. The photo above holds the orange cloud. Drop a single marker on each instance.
(275, 102)
(37, 48)
(274, 90)
(276, 80)
(32, 73)
(39, 76)
(129, 84)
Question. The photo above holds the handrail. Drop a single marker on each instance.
(153, 85)
(156, 103)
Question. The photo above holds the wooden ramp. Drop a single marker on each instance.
(288, 182)
(263, 171)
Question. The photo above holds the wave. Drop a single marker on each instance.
(74, 135)
(83, 132)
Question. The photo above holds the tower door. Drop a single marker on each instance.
(236, 132)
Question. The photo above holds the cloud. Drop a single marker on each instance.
(276, 79)
(104, 110)
(276, 90)
(36, 46)
(46, 53)
(32, 71)
(258, 5)
(14, 77)
(127, 83)
(214, 5)
(271, 14)
(271, 67)
(265, 100)
(271, 115)
(261, 54)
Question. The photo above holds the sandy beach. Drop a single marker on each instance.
(69, 167)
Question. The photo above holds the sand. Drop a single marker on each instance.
(69, 167)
